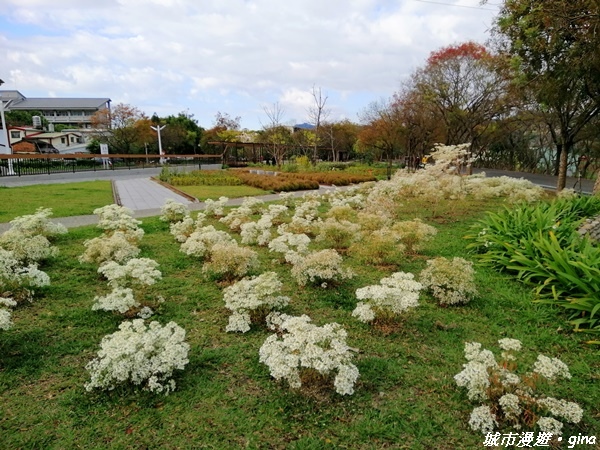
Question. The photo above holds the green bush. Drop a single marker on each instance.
(540, 243)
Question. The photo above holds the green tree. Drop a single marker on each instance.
(124, 128)
(554, 47)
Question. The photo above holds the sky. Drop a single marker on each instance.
(237, 57)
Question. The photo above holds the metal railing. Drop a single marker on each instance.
(39, 164)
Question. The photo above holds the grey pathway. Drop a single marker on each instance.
(144, 193)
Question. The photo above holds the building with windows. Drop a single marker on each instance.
(73, 112)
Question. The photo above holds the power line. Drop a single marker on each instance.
(451, 4)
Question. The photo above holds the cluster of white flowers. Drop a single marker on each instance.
(173, 211)
(228, 260)
(513, 189)
(17, 281)
(292, 246)
(320, 267)
(256, 294)
(122, 278)
(299, 345)
(109, 247)
(5, 312)
(28, 237)
(304, 218)
(119, 299)
(184, 228)
(143, 355)
(113, 218)
(510, 399)
(136, 271)
(451, 282)
(201, 241)
(120, 239)
(215, 208)
(258, 232)
(288, 199)
(551, 368)
(237, 217)
(394, 294)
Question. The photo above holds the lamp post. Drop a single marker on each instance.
(158, 128)
(4, 140)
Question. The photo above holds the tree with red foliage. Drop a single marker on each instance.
(465, 88)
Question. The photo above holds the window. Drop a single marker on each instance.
(63, 140)
(15, 134)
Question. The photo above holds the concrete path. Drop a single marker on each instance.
(144, 193)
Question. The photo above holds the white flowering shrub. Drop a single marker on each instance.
(173, 211)
(115, 218)
(414, 233)
(215, 208)
(182, 229)
(201, 242)
(258, 232)
(372, 222)
(253, 298)
(5, 312)
(288, 199)
(277, 212)
(237, 217)
(513, 189)
(338, 234)
(320, 267)
(392, 296)
(37, 224)
(291, 246)
(135, 272)
(141, 355)
(18, 281)
(109, 247)
(29, 236)
(300, 346)
(510, 399)
(450, 281)
(229, 261)
(28, 249)
(120, 300)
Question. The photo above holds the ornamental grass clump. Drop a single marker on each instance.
(141, 355)
(252, 299)
(391, 297)
(509, 400)
(173, 211)
(300, 347)
(450, 281)
(320, 268)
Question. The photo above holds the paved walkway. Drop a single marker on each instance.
(144, 193)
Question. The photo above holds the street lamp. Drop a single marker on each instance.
(158, 128)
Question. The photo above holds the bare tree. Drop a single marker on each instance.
(317, 113)
(275, 133)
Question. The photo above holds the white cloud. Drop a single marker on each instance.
(233, 56)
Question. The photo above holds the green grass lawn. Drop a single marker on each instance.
(68, 199)
(405, 397)
(214, 192)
